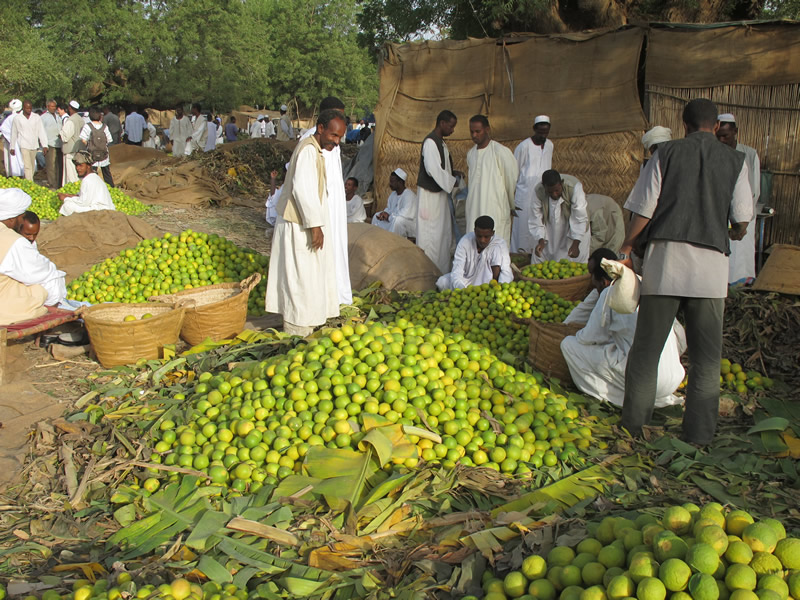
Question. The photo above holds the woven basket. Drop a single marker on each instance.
(544, 348)
(213, 311)
(118, 342)
(571, 288)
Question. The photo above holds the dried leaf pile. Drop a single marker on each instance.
(243, 168)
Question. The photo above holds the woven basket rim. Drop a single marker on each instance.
(100, 312)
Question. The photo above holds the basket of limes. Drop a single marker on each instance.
(570, 280)
(544, 348)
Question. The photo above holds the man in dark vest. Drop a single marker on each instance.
(435, 181)
(682, 203)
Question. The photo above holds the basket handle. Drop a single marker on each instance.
(185, 302)
(247, 284)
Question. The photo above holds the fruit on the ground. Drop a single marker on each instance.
(733, 377)
(555, 269)
(169, 264)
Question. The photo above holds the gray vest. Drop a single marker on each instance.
(698, 175)
(424, 180)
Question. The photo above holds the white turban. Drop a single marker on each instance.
(657, 135)
(400, 173)
(13, 202)
(284, 108)
(726, 118)
(15, 105)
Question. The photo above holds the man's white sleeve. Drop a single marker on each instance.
(23, 263)
(742, 210)
(644, 196)
(536, 222)
(457, 275)
(433, 165)
(306, 189)
(578, 217)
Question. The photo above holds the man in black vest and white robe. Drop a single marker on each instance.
(682, 204)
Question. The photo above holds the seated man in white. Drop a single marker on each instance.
(400, 214)
(356, 213)
(480, 258)
(29, 282)
(598, 354)
(94, 194)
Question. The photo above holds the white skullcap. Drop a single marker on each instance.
(284, 108)
(13, 202)
(74, 104)
(400, 173)
(15, 105)
(260, 117)
(541, 119)
(657, 135)
(726, 118)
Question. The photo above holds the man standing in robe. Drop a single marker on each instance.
(301, 284)
(269, 128)
(13, 162)
(492, 176)
(94, 194)
(197, 142)
(534, 156)
(742, 261)
(682, 204)
(135, 126)
(559, 221)
(481, 257)
(71, 138)
(400, 214)
(257, 127)
(27, 131)
(52, 125)
(180, 131)
(435, 181)
(285, 129)
(111, 120)
(211, 134)
(337, 206)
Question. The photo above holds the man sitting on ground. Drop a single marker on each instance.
(94, 194)
(29, 282)
(480, 258)
(29, 226)
(400, 214)
(355, 205)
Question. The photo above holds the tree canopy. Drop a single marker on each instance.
(157, 53)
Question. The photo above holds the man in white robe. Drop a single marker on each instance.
(197, 142)
(400, 214)
(492, 176)
(337, 205)
(29, 282)
(742, 261)
(598, 354)
(257, 128)
(71, 137)
(152, 134)
(13, 162)
(481, 256)
(28, 134)
(285, 129)
(355, 204)
(436, 180)
(211, 134)
(94, 194)
(559, 220)
(269, 128)
(301, 284)
(534, 156)
(180, 130)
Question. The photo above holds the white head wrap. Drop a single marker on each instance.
(284, 108)
(541, 119)
(726, 118)
(260, 117)
(657, 135)
(15, 105)
(74, 104)
(13, 202)
(400, 173)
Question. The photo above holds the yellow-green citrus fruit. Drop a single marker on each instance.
(787, 551)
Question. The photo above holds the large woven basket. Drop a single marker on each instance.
(213, 311)
(119, 342)
(544, 348)
(572, 288)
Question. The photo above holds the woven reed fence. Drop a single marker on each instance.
(605, 164)
(768, 118)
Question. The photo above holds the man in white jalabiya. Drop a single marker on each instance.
(534, 156)
(29, 282)
(257, 128)
(269, 128)
(197, 142)
(400, 214)
(337, 205)
(492, 179)
(559, 220)
(150, 140)
(285, 129)
(13, 162)
(301, 284)
(94, 194)
(27, 133)
(71, 138)
(356, 213)
(180, 130)
(481, 256)
(742, 261)
(211, 134)
(436, 180)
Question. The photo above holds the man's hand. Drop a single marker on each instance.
(574, 249)
(63, 197)
(317, 238)
(626, 250)
(539, 247)
(737, 231)
(273, 174)
(383, 216)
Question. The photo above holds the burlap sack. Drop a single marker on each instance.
(378, 255)
(544, 348)
(79, 241)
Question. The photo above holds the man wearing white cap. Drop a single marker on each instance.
(492, 179)
(94, 194)
(257, 128)
(285, 129)
(400, 214)
(534, 156)
(28, 132)
(71, 138)
(29, 282)
(742, 261)
(13, 162)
